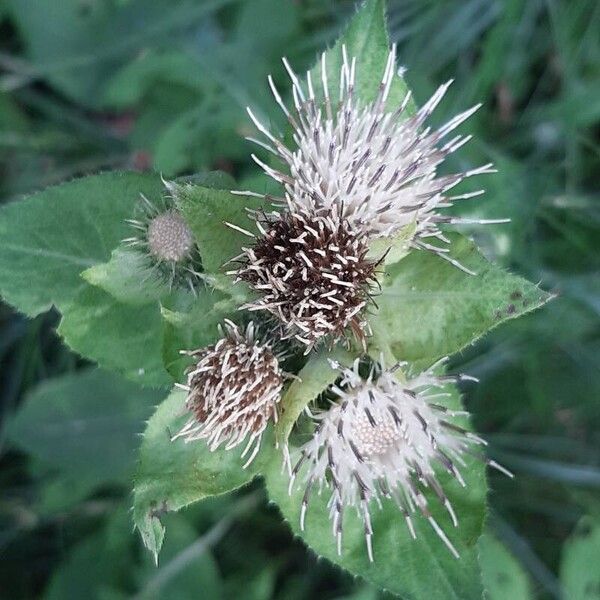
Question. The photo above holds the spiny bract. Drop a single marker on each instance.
(166, 241)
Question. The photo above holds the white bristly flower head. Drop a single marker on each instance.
(312, 273)
(371, 164)
(232, 391)
(164, 238)
(384, 440)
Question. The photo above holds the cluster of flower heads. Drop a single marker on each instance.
(369, 166)
(359, 172)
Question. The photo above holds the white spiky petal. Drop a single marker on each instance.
(370, 164)
(384, 440)
(232, 391)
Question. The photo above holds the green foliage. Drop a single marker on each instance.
(90, 570)
(392, 250)
(208, 213)
(52, 236)
(503, 577)
(429, 308)
(122, 337)
(366, 39)
(173, 474)
(315, 377)
(73, 43)
(192, 105)
(181, 574)
(579, 563)
(85, 424)
(193, 327)
(105, 566)
(129, 277)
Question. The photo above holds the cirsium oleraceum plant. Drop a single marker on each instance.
(304, 331)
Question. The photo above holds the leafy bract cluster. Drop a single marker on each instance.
(63, 247)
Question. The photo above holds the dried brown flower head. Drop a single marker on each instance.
(312, 272)
(233, 390)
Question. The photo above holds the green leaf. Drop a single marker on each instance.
(392, 249)
(195, 327)
(429, 308)
(579, 572)
(59, 34)
(218, 180)
(139, 77)
(96, 566)
(84, 424)
(129, 277)
(315, 377)
(173, 474)
(178, 142)
(367, 40)
(47, 239)
(207, 211)
(414, 569)
(78, 47)
(60, 491)
(503, 577)
(121, 337)
(106, 565)
(185, 567)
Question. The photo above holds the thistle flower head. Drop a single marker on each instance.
(232, 391)
(312, 273)
(163, 236)
(371, 164)
(169, 237)
(383, 439)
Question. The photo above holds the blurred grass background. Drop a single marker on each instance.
(89, 85)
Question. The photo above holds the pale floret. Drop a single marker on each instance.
(169, 237)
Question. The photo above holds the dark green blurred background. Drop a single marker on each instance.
(90, 85)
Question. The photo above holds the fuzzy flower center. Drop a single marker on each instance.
(169, 237)
(374, 438)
